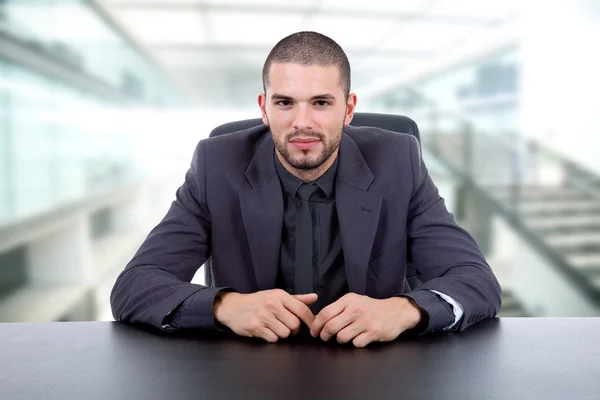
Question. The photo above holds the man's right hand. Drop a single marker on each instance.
(268, 314)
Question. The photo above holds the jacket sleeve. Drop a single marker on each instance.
(446, 258)
(157, 280)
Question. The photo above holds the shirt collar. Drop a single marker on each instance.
(291, 183)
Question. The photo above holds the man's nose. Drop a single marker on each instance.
(303, 118)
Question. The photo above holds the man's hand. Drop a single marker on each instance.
(363, 320)
(268, 314)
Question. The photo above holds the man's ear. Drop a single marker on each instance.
(262, 103)
(350, 107)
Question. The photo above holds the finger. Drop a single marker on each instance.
(288, 319)
(362, 340)
(299, 309)
(277, 327)
(268, 335)
(326, 314)
(336, 324)
(307, 299)
(350, 331)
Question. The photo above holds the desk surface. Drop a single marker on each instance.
(526, 358)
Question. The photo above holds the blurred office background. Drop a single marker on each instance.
(102, 103)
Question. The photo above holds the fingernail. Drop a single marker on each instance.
(312, 333)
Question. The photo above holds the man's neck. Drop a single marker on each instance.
(308, 175)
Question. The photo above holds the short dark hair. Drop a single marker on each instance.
(309, 48)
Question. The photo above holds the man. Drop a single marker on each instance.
(310, 224)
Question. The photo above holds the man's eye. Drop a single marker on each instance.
(284, 103)
(322, 103)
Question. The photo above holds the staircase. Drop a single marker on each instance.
(563, 216)
(566, 219)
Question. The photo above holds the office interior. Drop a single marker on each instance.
(103, 101)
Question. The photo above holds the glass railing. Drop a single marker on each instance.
(510, 165)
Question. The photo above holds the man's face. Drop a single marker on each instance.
(306, 109)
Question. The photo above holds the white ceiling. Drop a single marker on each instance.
(215, 49)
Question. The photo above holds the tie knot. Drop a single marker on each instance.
(306, 190)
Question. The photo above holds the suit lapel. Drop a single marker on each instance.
(357, 209)
(358, 213)
(262, 214)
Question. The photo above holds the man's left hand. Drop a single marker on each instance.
(363, 320)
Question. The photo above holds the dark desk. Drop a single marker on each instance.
(498, 359)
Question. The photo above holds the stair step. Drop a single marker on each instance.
(540, 193)
(563, 212)
(529, 188)
(591, 260)
(569, 230)
(559, 222)
(551, 206)
(583, 239)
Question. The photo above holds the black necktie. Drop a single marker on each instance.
(303, 270)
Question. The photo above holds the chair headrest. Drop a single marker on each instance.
(390, 122)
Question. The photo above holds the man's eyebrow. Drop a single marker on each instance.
(324, 96)
(277, 96)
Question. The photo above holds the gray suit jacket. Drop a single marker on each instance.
(397, 236)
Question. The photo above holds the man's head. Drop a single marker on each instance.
(307, 100)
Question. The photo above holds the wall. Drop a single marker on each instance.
(560, 80)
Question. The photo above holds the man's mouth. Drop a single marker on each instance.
(304, 143)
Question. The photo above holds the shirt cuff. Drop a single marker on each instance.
(457, 308)
(196, 312)
(439, 312)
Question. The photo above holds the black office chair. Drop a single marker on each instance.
(390, 122)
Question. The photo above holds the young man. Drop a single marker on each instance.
(310, 224)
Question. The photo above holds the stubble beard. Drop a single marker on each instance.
(304, 163)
